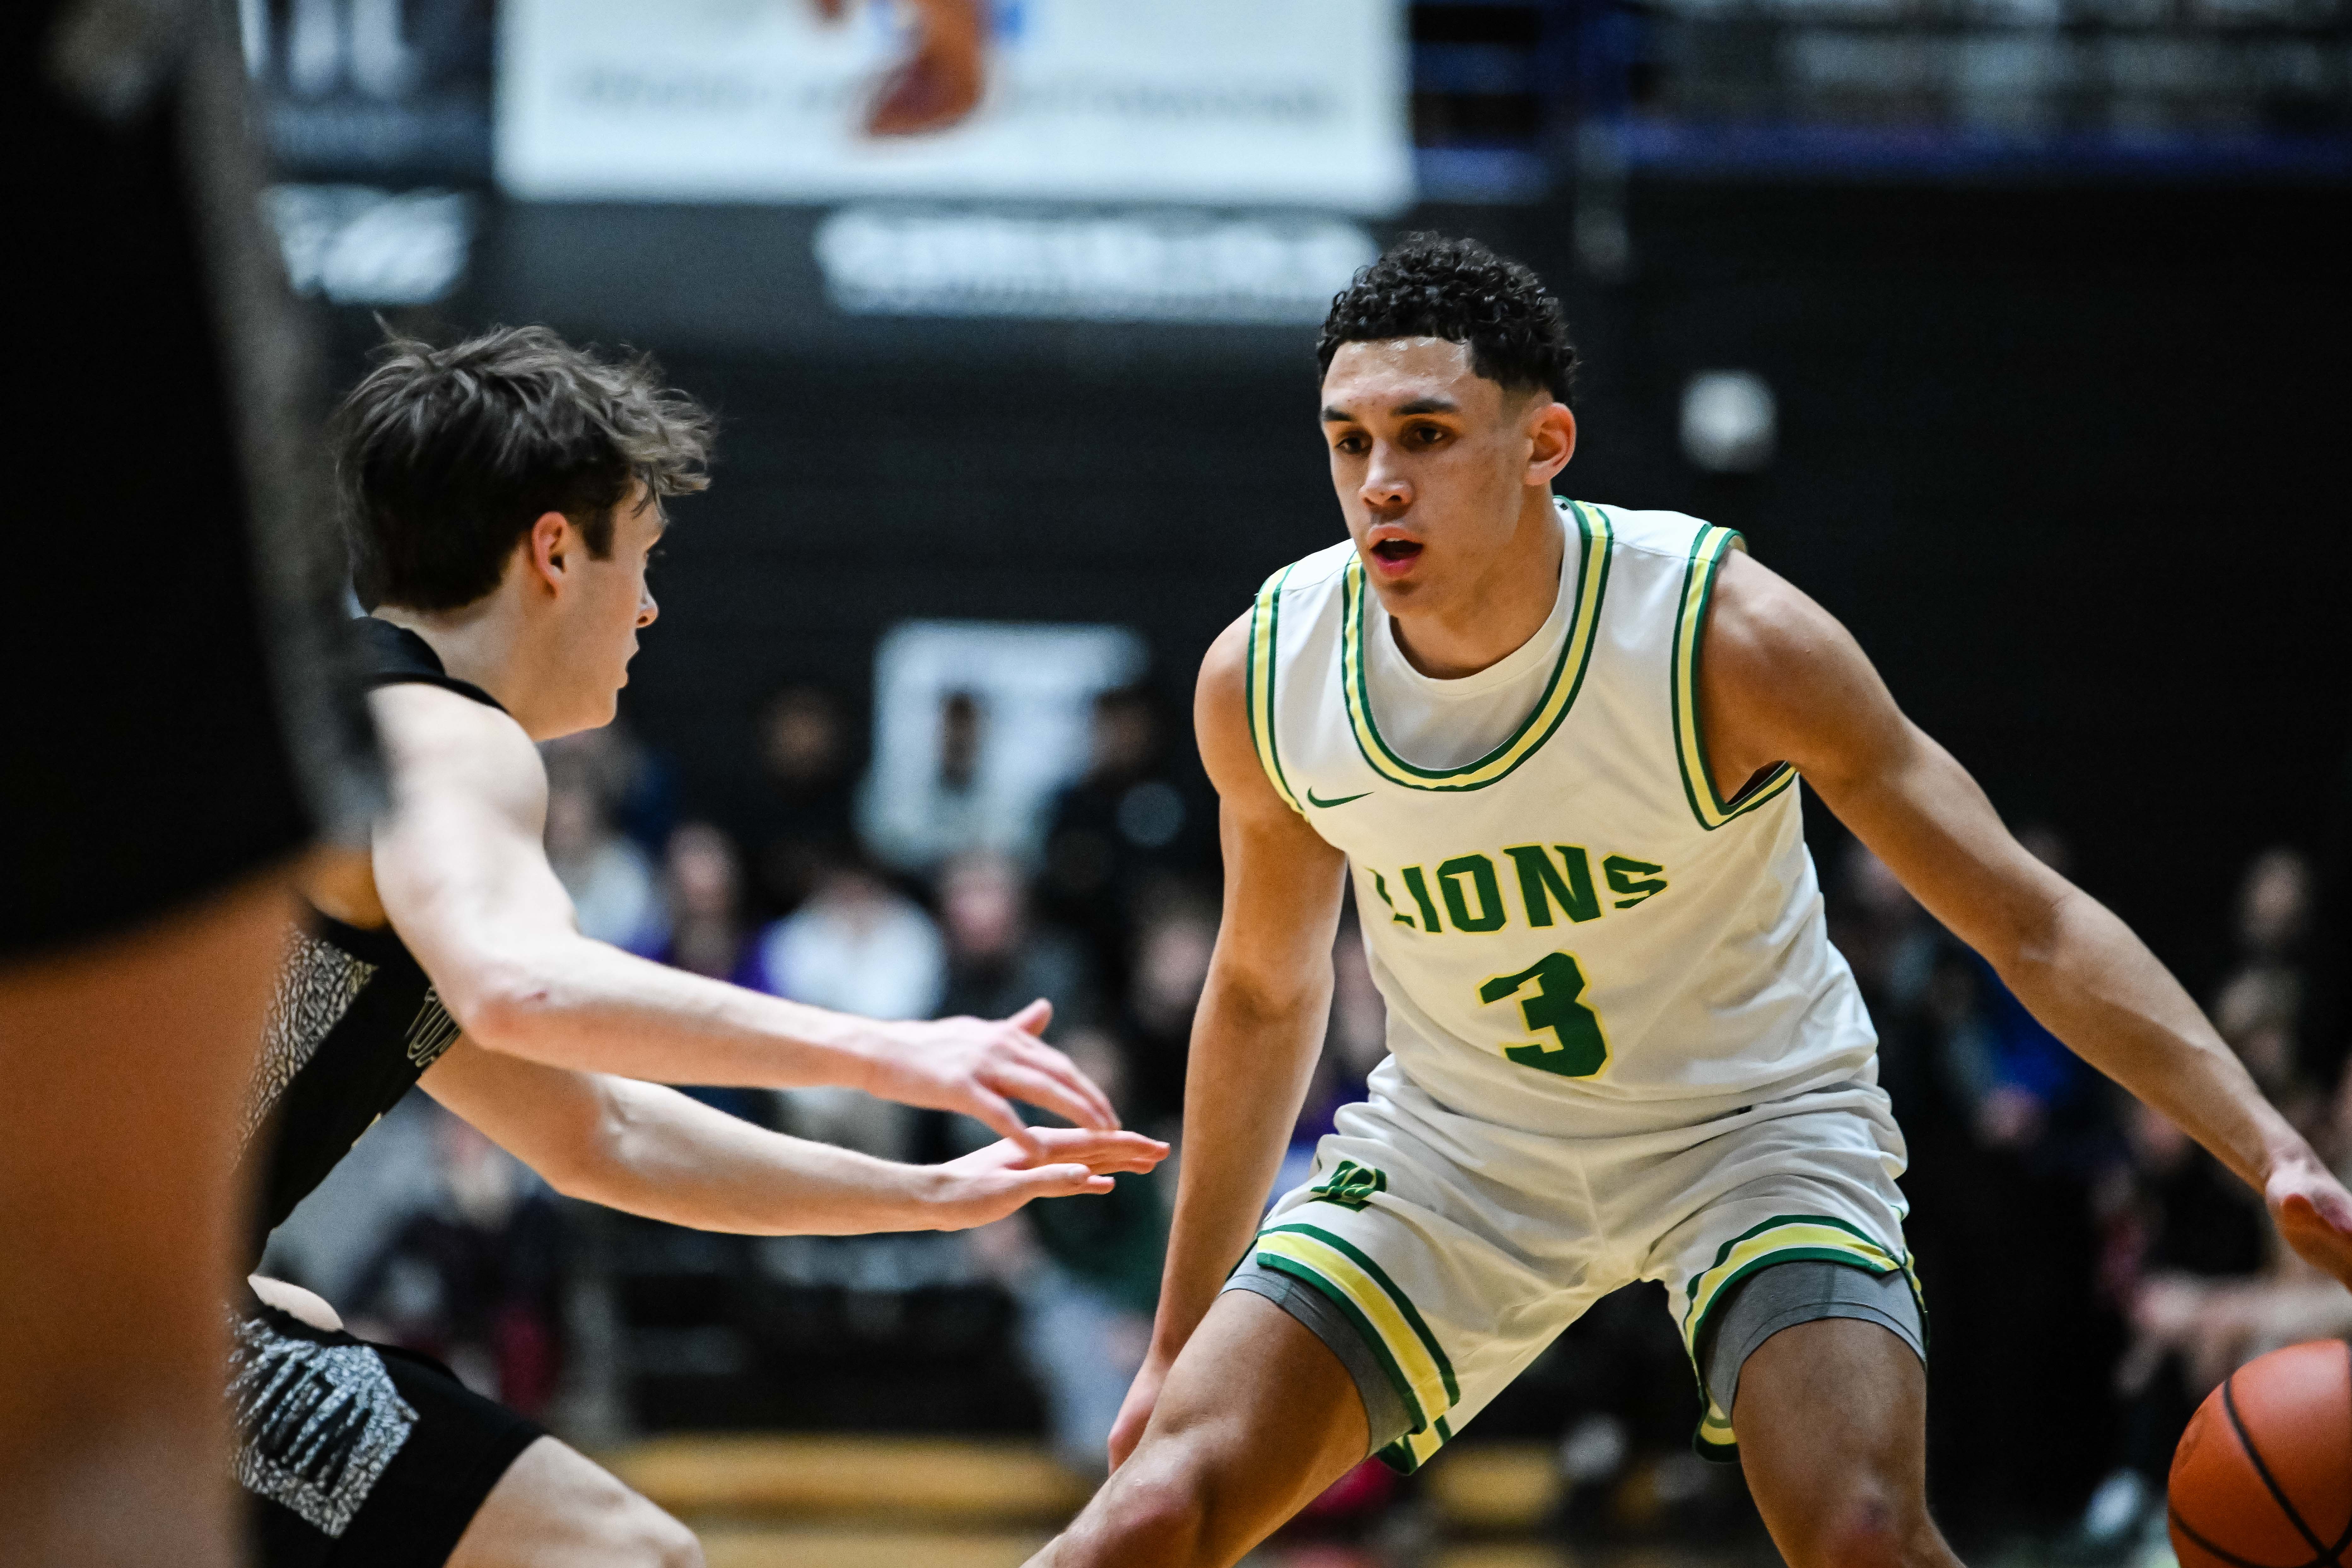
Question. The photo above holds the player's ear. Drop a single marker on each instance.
(1551, 432)
(548, 547)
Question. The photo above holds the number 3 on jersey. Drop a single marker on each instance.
(1553, 1005)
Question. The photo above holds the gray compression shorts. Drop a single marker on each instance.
(1774, 1297)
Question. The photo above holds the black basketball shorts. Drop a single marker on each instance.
(359, 1456)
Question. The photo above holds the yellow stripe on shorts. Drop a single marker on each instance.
(1413, 1451)
(1409, 1353)
(1784, 1238)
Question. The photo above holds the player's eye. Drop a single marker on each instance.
(1426, 434)
(1350, 443)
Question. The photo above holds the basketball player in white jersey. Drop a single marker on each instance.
(1554, 746)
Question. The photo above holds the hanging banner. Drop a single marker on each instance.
(1296, 103)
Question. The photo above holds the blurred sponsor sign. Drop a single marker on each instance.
(1272, 103)
(1109, 266)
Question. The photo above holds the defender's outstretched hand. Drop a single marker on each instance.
(2314, 1214)
(980, 1065)
(990, 1183)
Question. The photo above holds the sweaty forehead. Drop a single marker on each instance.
(1368, 379)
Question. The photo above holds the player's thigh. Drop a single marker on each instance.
(1256, 1417)
(123, 1060)
(554, 1509)
(1832, 1416)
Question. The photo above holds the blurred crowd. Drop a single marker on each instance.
(2091, 1274)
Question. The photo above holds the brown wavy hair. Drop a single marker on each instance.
(446, 456)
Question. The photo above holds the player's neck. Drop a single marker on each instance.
(490, 644)
(1493, 617)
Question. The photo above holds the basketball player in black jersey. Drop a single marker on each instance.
(502, 498)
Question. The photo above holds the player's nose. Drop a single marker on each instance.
(1385, 488)
(647, 611)
(1386, 494)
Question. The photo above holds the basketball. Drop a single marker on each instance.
(2263, 1478)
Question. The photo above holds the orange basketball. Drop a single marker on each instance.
(2263, 1478)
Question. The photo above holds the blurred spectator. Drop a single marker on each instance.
(1175, 937)
(2009, 1136)
(609, 876)
(639, 794)
(2019, 1086)
(2191, 1256)
(998, 960)
(2257, 1007)
(1086, 1275)
(798, 819)
(2006, 1147)
(857, 946)
(1624, 1454)
(702, 890)
(474, 1279)
(1893, 947)
(1124, 824)
(390, 1175)
(1885, 936)
(704, 930)
(954, 812)
(2177, 1221)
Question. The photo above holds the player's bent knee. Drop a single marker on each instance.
(647, 1537)
(1150, 1520)
(675, 1546)
(1865, 1527)
(555, 1505)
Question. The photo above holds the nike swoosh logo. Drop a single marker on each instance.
(1312, 799)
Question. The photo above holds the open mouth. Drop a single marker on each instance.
(1397, 552)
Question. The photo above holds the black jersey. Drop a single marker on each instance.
(354, 1021)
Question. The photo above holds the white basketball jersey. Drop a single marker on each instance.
(1574, 932)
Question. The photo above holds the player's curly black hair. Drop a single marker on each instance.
(1428, 286)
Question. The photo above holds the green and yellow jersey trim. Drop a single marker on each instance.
(1257, 682)
(1592, 539)
(1400, 1339)
(1712, 810)
(1783, 1238)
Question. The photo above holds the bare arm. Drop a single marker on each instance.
(1259, 1026)
(652, 1150)
(1782, 681)
(464, 876)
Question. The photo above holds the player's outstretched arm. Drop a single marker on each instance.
(463, 874)
(1258, 1029)
(651, 1151)
(1781, 681)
